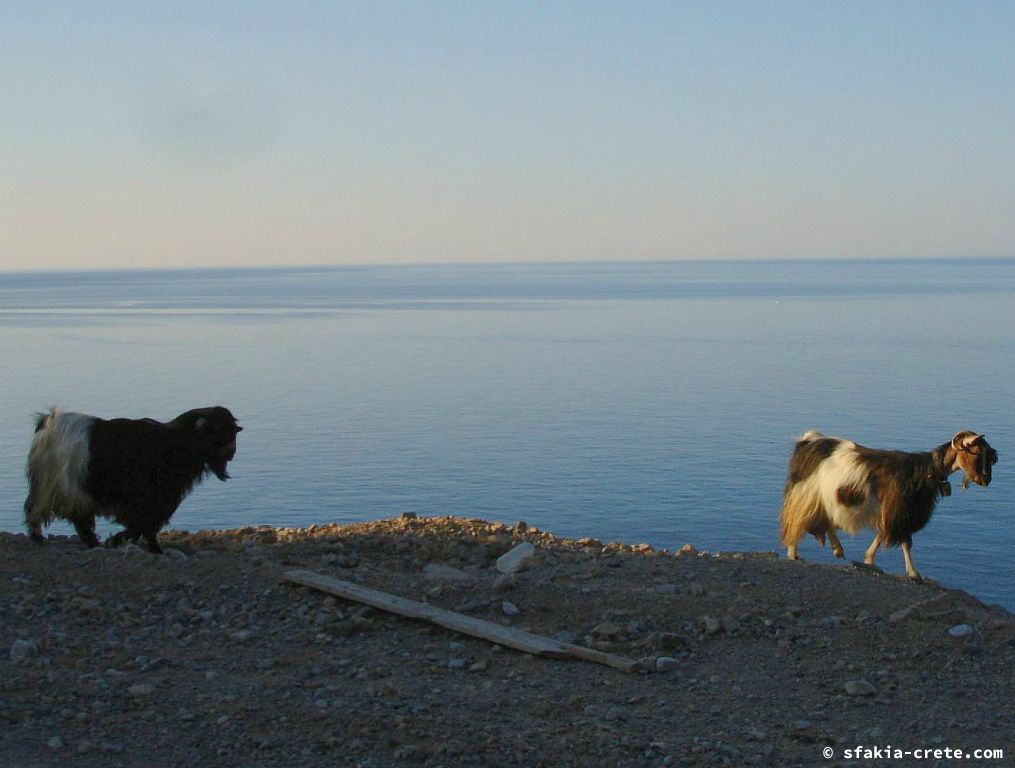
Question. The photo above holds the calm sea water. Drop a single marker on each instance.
(637, 402)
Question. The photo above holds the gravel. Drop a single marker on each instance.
(119, 658)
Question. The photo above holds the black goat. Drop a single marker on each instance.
(135, 471)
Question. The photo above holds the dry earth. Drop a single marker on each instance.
(204, 657)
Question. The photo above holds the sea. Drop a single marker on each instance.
(638, 402)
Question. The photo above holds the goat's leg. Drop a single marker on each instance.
(910, 570)
(872, 550)
(152, 537)
(791, 552)
(33, 525)
(836, 544)
(85, 528)
(121, 536)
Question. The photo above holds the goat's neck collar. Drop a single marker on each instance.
(942, 464)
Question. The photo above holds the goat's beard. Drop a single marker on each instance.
(218, 468)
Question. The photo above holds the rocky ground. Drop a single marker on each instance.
(205, 657)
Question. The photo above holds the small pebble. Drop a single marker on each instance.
(860, 688)
(23, 649)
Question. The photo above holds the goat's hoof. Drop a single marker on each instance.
(839, 553)
(867, 567)
(916, 577)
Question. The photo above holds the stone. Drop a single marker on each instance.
(439, 572)
(730, 624)
(566, 636)
(860, 687)
(710, 625)
(517, 558)
(23, 649)
(55, 743)
(504, 582)
(671, 640)
(509, 608)
(472, 604)
(961, 630)
(141, 690)
(613, 712)
(606, 629)
(666, 663)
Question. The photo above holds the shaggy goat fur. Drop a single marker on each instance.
(836, 484)
(135, 471)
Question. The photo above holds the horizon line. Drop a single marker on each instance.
(519, 263)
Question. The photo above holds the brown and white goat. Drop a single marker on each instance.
(836, 484)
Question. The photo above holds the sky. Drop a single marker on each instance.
(178, 134)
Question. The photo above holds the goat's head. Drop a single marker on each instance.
(215, 430)
(974, 456)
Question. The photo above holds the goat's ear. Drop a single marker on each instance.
(200, 423)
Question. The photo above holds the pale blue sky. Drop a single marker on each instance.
(231, 133)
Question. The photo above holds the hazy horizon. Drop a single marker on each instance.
(297, 266)
(344, 134)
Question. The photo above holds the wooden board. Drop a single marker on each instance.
(458, 622)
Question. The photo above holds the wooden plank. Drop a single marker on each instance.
(468, 625)
(601, 657)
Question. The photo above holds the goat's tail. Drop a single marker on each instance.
(809, 437)
(46, 420)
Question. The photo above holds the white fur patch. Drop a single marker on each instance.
(843, 468)
(58, 465)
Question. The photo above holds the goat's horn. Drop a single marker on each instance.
(959, 441)
(971, 439)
